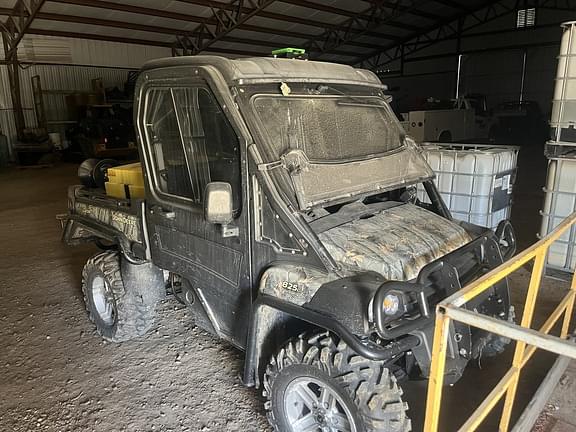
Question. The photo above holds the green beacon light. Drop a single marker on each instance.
(292, 53)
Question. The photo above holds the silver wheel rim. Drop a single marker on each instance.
(312, 406)
(103, 300)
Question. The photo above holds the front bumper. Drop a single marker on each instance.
(443, 277)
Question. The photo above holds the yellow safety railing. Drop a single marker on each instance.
(527, 339)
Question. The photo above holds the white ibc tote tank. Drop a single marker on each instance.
(475, 180)
(559, 203)
(563, 120)
(560, 188)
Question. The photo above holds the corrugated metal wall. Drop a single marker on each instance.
(53, 77)
(86, 59)
(49, 49)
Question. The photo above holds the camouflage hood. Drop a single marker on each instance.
(396, 242)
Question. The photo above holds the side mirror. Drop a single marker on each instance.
(218, 203)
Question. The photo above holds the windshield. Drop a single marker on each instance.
(323, 144)
(329, 128)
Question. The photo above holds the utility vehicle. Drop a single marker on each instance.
(462, 119)
(281, 208)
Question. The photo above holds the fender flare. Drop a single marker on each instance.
(73, 223)
(255, 343)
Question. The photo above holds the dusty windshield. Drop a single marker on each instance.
(329, 128)
(323, 144)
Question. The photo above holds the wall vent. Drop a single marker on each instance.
(526, 18)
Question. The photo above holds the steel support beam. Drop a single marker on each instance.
(449, 29)
(99, 37)
(229, 19)
(520, 46)
(139, 10)
(453, 4)
(409, 9)
(156, 29)
(350, 14)
(561, 5)
(103, 4)
(207, 33)
(18, 22)
(14, 78)
(379, 13)
(147, 42)
(13, 30)
(247, 9)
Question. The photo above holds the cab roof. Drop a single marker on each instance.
(268, 69)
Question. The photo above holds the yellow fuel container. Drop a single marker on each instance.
(116, 190)
(136, 191)
(125, 181)
(130, 174)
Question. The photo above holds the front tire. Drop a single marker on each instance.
(317, 383)
(119, 314)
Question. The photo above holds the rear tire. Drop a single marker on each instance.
(363, 394)
(119, 314)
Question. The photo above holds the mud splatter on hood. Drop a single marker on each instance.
(396, 243)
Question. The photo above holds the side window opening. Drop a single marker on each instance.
(192, 143)
(164, 138)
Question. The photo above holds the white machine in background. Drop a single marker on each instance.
(466, 119)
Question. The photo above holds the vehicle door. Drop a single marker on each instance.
(188, 142)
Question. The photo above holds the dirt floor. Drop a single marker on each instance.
(57, 374)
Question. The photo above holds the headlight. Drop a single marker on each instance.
(391, 304)
(395, 304)
(396, 309)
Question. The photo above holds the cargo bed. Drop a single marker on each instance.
(95, 216)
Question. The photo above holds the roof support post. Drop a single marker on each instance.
(13, 30)
(18, 22)
(13, 68)
(459, 56)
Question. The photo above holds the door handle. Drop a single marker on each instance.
(160, 211)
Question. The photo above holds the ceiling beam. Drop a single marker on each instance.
(101, 4)
(146, 42)
(99, 37)
(453, 4)
(379, 13)
(409, 9)
(223, 6)
(277, 16)
(454, 24)
(140, 10)
(499, 48)
(455, 27)
(149, 42)
(561, 5)
(155, 29)
(344, 12)
(206, 34)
